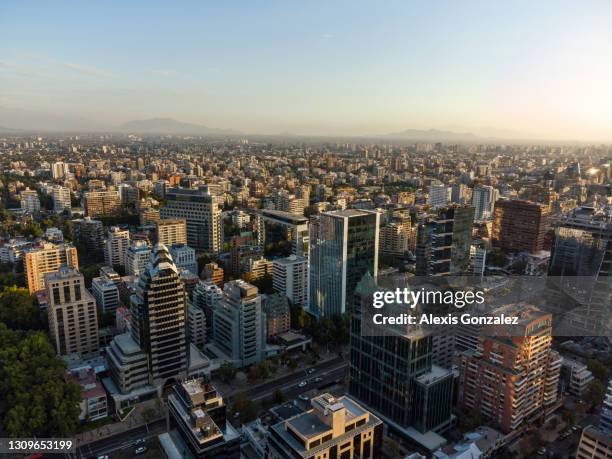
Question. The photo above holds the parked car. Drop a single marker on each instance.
(141, 450)
(302, 384)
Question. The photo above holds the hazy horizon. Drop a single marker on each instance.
(514, 70)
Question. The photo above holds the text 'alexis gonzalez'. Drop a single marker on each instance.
(422, 296)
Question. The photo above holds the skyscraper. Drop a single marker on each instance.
(290, 277)
(444, 240)
(343, 247)
(115, 246)
(238, 328)
(61, 199)
(438, 196)
(512, 379)
(48, 258)
(579, 271)
(171, 231)
(519, 225)
(483, 201)
(200, 209)
(159, 318)
(73, 322)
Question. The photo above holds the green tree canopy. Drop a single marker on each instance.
(18, 310)
(37, 400)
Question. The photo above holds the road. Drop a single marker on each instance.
(121, 441)
(567, 447)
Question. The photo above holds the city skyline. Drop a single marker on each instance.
(501, 71)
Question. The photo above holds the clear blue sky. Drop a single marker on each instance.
(536, 68)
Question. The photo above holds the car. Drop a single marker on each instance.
(236, 414)
(141, 450)
(318, 379)
(140, 441)
(575, 428)
(103, 456)
(541, 451)
(302, 384)
(310, 371)
(304, 397)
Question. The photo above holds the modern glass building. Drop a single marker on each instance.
(343, 247)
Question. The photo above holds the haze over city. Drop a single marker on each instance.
(503, 70)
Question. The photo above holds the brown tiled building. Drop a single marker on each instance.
(519, 225)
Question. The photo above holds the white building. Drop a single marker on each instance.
(290, 277)
(106, 293)
(196, 326)
(137, 258)
(29, 201)
(184, 257)
(115, 246)
(61, 198)
(439, 195)
(483, 200)
(59, 170)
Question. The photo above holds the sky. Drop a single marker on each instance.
(528, 69)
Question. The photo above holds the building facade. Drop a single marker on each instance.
(47, 258)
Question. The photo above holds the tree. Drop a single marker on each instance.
(292, 364)
(599, 370)
(37, 401)
(595, 393)
(226, 372)
(278, 397)
(568, 417)
(246, 407)
(18, 311)
(469, 420)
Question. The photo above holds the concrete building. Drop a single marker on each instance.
(198, 424)
(438, 196)
(115, 246)
(276, 225)
(214, 273)
(483, 202)
(88, 233)
(605, 420)
(93, 404)
(519, 226)
(184, 257)
(101, 203)
(277, 313)
(106, 293)
(206, 294)
(171, 231)
(196, 326)
(61, 199)
(137, 257)
(47, 258)
(73, 322)
(30, 201)
(576, 375)
(594, 444)
(200, 209)
(290, 278)
(238, 327)
(332, 428)
(514, 379)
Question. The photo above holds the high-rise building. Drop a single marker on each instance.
(196, 326)
(48, 258)
(106, 293)
(214, 273)
(444, 241)
(206, 294)
(398, 237)
(238, 328)
(73, 322)
(579, 271)
(605, 420)
(171, 231)
(460, 193)
(483, 201)
(101, 203)
(200, 209)
(277, 313)
(184, 257)
(89, 234)
(30, 201)
(512, 379)
(343, 248)
(197, 413)
(159, 315)
(137, 257)
(275, 225)
(519, 225)
(594, 444)
(438, 196)
(394, 377)
(59, 170)
(61, 199)
(332, 428)
(116, 245)
(290, 277)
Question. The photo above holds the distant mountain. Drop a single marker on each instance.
(433, 135)
(171, 126)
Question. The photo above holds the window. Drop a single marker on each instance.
(67, 293)
(77, 292)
